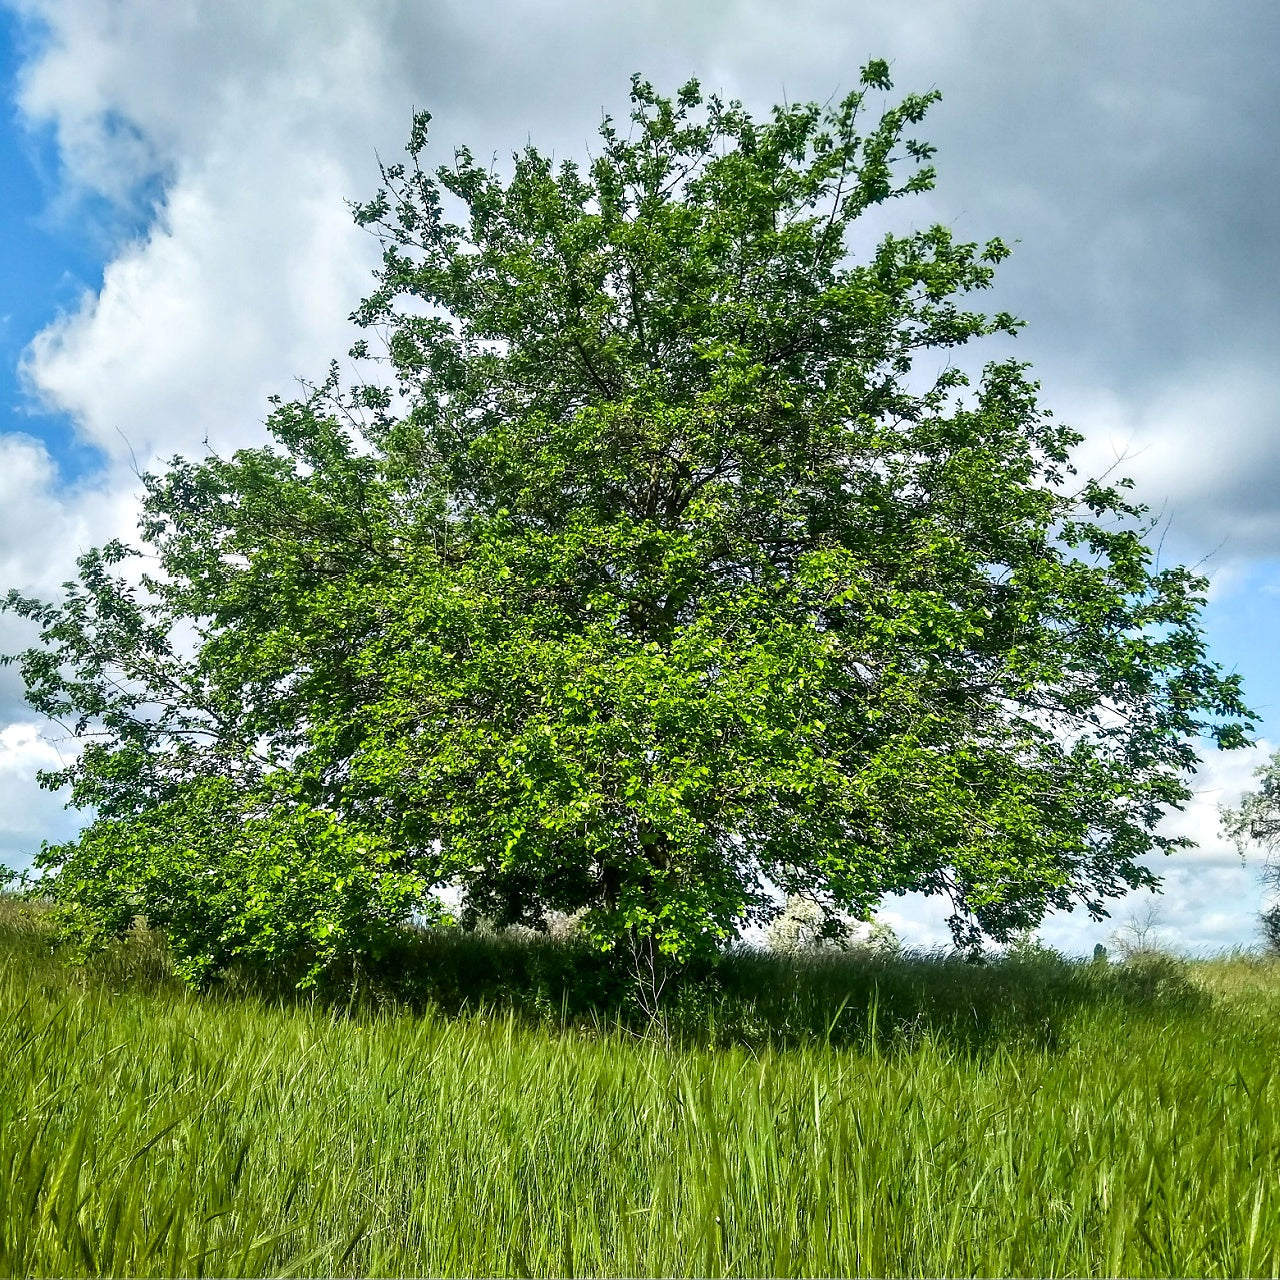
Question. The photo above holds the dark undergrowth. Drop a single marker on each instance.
(744, 996)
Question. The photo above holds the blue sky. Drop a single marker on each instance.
(48, 261)
(176, 248)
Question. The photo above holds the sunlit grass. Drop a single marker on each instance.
(1082, 1120)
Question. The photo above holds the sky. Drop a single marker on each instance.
(176, 246)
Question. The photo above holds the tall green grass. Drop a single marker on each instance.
(854, 1117)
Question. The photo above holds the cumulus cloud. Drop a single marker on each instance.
(1203, 450)
(246, 272)
(46, 524)
(1210, 896)
(29, 815)
(44, 527)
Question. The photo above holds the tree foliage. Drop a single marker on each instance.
(1257, 821)
(668, 564)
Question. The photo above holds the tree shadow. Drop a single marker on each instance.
(853, 999)
(856, 999)
(896, 1001)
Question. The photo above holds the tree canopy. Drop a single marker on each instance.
(1257, 820)
(665, 562)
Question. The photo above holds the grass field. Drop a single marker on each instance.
(909, 1116)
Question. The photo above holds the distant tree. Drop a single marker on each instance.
(1257, 821)
(1269, 919)
(671, 564)
(1138, 933)
(805, 926)
(1027, 945)
(883, 939)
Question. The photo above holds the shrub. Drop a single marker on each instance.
(1270, 921)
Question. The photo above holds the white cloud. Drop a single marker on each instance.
(29, 815)
(42, 531)
(245, 275)
(195, 325)
(45, 526)
(1203, 450)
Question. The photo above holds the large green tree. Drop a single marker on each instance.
(669, 564)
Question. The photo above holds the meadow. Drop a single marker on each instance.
(487, 1106)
